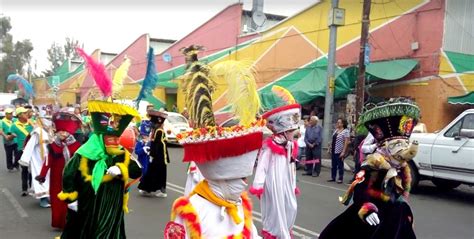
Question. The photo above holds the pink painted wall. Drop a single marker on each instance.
(393, 41)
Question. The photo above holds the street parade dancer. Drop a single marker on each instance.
(275, 178)
(98, 173)
(35, 153)
(193, 178)
(142, 147)
(218, 207)
(154, 180)
(380, 192)
(60, 151)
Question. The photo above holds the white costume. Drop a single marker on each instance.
(218, 206)
(212, 215)
(275, 178)
(193, 178)
(34, 157)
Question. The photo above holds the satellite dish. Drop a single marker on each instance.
(259, 18)
(167, 57)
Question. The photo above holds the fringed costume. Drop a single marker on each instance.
(97, 175)
(275, 178)
(380, 208)
(217, 207)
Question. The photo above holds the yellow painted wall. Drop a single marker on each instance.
(432, 98)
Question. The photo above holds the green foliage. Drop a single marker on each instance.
(14, 56)
(58, 53)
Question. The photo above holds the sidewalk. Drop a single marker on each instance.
(348, 163)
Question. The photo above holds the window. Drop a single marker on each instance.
(454, 130)
(177, 119)
(468, 122)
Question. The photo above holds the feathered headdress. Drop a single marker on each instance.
(242, 89)
(283, 118)
(22, 84)
(120, 75)
(151, 78)
(284, 94)
(98, 73)
(198, 88)
(221, 153)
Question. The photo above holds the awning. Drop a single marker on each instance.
(391, 70)
(467, 99)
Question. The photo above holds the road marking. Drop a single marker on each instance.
(322, 185)
(256, 215)
(15, 203)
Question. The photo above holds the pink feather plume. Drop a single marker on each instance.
(98, 72)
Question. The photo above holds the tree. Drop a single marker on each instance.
(70, 49)
(57, 54)
(15, 55)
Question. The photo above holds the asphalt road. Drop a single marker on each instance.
(437, 214)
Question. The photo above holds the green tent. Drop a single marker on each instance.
(467, 99)
(310, 82)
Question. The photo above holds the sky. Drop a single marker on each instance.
(112, 25)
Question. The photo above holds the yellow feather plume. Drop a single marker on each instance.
(120, 75)
(284, 94)
(242, 92)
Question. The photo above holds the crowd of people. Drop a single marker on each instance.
(83, 166)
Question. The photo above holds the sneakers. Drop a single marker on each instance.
(44, 203)
(160, 194)
(144, 193)
(24, 193)
(339, 181)
(331, 180)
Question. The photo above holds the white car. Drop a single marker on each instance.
(446, 157)
(174, 124)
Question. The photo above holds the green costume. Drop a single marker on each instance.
(102, 198)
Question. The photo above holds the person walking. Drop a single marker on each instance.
(154, 180)
(20, 130)
(301, 143)
(339, 149)
(8, 140)
(313, 138)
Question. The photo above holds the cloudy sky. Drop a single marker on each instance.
(112, 25)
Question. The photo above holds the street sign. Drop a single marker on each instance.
(337, 17)
(367, 54)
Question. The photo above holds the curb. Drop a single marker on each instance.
(327, 164)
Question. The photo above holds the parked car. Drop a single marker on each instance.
(235, 121)
(174, 124)
(446, 157)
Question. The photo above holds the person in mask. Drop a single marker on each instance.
(96, 177)
(218, 206)
(60, 151)
(153, 181)
(275, 178)
(380, 192)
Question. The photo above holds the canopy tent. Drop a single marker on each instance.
(308, 83)
(467, 99)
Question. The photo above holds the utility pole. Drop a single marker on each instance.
(360, 85)
(336, 18)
